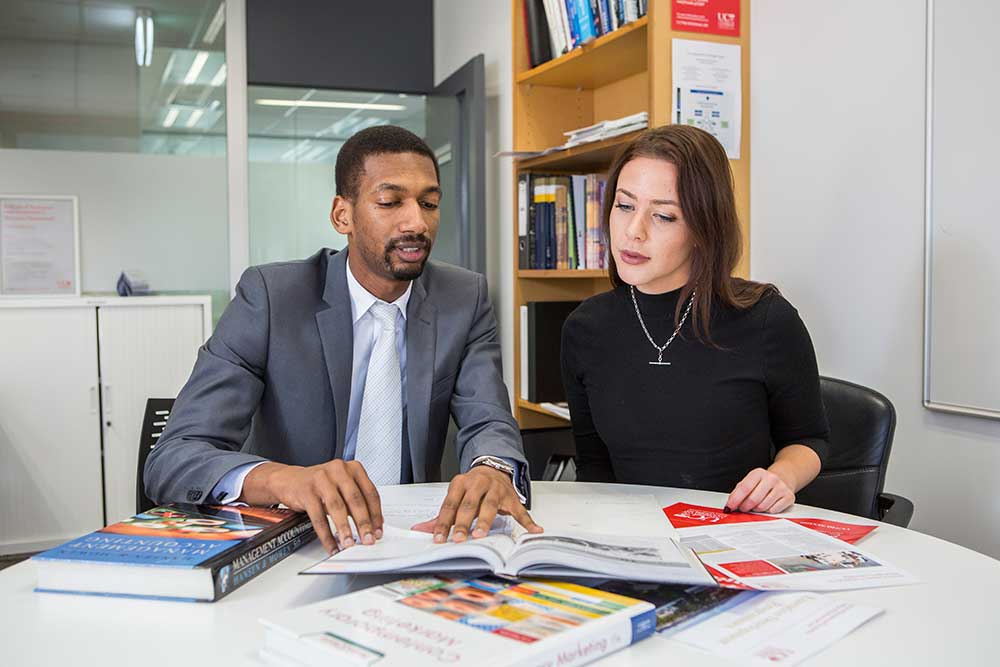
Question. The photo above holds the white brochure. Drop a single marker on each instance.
(773, 628)
(782, 555)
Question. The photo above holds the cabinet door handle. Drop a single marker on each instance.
(93, 399)
(106, 404)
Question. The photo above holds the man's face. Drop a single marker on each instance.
(394, 218)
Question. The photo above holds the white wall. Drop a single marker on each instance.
(462, 30)
(837, 222)
(164, 214)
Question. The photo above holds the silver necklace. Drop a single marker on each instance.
(659, 357)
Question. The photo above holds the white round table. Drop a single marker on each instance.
(950, 619)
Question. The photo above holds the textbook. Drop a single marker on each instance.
(633, 542)
(182, 552)
(485, 621)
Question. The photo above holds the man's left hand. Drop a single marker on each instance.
(478, 495)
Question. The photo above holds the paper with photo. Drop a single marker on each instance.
(707, 90)
(781, 555)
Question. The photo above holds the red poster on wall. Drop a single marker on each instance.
(716, 17)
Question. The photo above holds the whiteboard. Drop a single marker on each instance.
(962, 217)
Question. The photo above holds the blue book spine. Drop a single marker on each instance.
(605, 6)
(585, 20)
(574, 22)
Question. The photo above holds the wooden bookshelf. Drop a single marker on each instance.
(586, 158)
(615, 75)
(606, 59)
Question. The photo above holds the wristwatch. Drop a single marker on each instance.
(496, 463)
(504, 467)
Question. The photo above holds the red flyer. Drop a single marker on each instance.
(683, 515)
(715, 17)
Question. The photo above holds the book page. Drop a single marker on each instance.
(400, 549)
(781, 555)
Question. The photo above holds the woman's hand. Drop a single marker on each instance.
(761, 491)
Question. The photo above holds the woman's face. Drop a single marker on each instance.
(650, 240)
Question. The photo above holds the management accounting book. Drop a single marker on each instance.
(180, 551)
(436, 620)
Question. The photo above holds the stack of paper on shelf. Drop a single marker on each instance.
(606, 129)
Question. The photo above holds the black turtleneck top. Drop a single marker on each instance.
(710, 417)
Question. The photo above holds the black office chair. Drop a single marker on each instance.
(862, 422)
(153, 423)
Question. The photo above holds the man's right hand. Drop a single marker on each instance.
(338, 489)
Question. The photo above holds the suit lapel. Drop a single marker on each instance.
(421, 337)
(336, 331)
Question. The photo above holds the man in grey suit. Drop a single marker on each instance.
(330, 376)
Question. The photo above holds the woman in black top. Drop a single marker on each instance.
(682, 375)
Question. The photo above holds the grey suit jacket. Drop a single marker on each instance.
(274, 380)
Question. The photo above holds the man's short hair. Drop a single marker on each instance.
(375, 141)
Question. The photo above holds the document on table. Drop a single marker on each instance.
(605, 513)
(773, 628)
(748, 627)
(684, 515)
(781, 555)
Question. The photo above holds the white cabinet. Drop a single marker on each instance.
(74, 378)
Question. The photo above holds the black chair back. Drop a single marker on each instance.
(862, 422)
(153, 423)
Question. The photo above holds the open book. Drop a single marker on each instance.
(565, 549)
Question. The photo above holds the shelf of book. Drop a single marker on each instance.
(606, 59)
(590, 157)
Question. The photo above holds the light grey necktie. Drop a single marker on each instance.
(381, 425)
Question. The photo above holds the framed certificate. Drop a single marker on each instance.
(39, 245)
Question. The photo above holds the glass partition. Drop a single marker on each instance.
(124, 107)
(294, 137)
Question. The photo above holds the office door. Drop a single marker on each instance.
(456, 131)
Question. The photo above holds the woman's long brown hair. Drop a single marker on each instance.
(705, 189)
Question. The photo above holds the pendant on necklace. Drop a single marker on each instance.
(659, 360)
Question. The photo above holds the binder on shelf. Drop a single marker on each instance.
(523, 260)
(537, 32)
(541, 344)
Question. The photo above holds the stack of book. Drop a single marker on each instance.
(555, 27)
(559, 221)
(177, 552)
(607, 129)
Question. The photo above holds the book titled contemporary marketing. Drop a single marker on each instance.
(437, 620)
(182, 552)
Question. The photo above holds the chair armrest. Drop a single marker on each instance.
(894, 509)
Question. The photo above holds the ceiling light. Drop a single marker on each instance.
(149, 40)
(171, 117)
(220, 77)
(194, 118)
(330, 105)
(143, 38)
(196, 67)
(213, 28)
